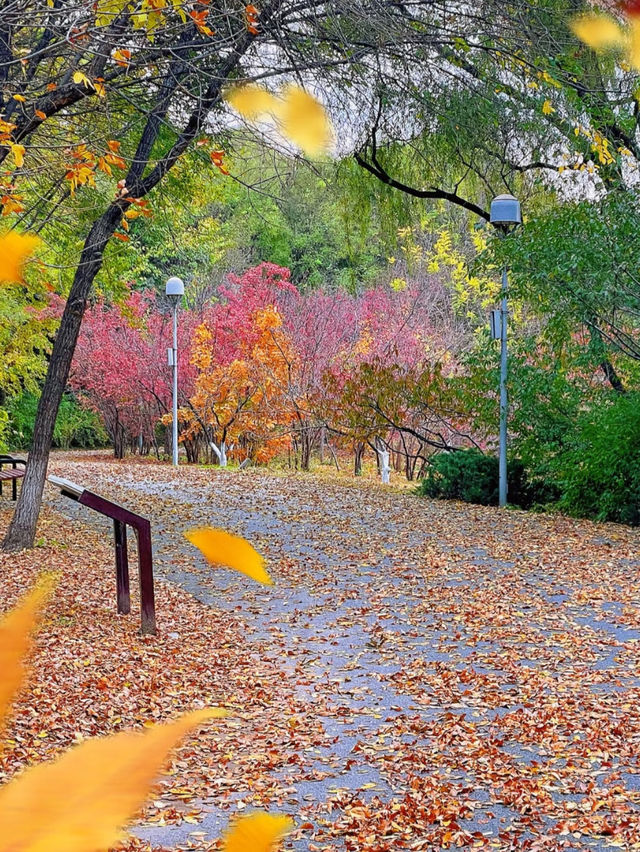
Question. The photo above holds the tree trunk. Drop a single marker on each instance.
(357, 466)
(119, 441)
(22, 529)
(305, 448)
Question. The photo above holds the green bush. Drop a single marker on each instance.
(75, 426)
(600, 474)
(472, 476)
(467, 475)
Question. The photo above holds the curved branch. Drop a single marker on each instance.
(382, 175)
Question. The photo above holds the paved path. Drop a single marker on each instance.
(442, 647)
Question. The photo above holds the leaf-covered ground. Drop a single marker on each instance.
(422, 675)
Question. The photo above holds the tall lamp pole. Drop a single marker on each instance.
(175, 291)
(504, 214)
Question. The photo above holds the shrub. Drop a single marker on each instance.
(600, 475)
(467, 475)
(472, 476)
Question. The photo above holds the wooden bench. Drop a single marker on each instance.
(13, 474)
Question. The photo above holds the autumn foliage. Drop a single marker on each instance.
(81, 801)
(266, 369)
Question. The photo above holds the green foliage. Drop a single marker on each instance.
(576, 264)
(600, 474)
(472, 476)
(75, 426)
(467, 475)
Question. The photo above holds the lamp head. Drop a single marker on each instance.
(174, 290)
(505, 211)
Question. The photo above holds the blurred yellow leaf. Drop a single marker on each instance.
(20, 98)
(598, 31)
(634, 42)
(547, 108)
(235, 552)
(80, 802)
(300, 117)
(602, 32)
(304, 121)
(257, 832)
(252, 102)
(14, 250)
(16, 630)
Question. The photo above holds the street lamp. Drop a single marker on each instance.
(504, 214)
(175, 291)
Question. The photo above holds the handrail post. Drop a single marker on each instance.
(145, 564)
(122, 567)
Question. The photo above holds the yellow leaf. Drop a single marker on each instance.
(598, 31)
(14, 250)
(18, 154)
(257, 832)
(80, 802)
(16, 630)
(251, 101)
(20, 98)
(304, 121)
(79, 77)
(235, 552)
(547, 109)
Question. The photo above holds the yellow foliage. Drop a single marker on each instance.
(17, 152)
(15, 248)
(80, 802)
(246, 401)
(16, 630)
(466, 288)
(79, 77)
(257, 832)
(223, 548)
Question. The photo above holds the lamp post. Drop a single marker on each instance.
(504, 214)
(175, 291)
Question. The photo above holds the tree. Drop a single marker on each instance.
(525, 108)
(242, 400)
(80, 78)
(120, 369)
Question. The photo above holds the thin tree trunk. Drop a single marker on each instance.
(305, 448)
(22, 529)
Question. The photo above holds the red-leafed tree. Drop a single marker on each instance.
(120, 367)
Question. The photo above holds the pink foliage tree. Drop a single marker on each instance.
(384, 338)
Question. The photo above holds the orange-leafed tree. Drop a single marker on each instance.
(242, 403)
